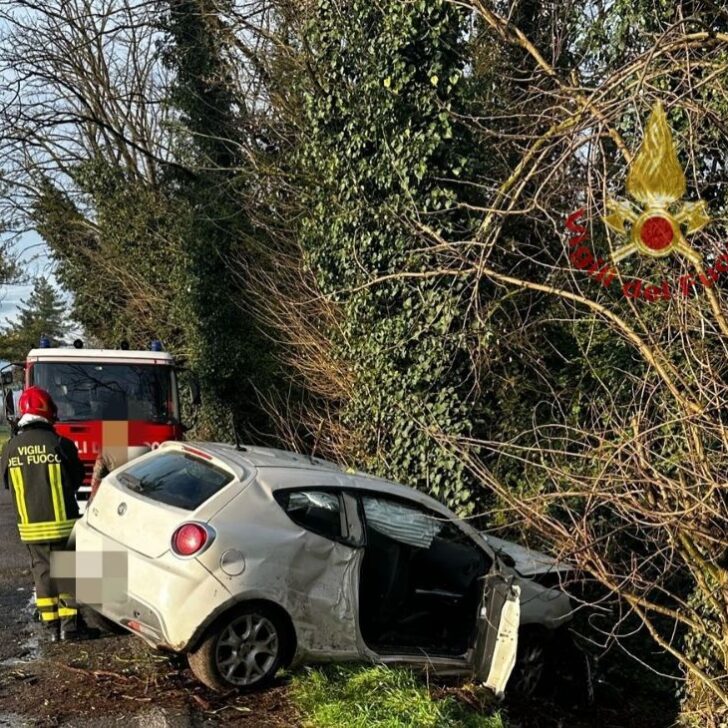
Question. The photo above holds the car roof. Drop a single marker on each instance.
(259, 457)
(278, 469)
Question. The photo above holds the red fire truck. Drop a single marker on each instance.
(122, 402)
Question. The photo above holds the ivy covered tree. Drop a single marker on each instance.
(123, 268)
(226, 348)
(143, 224)
(376, 149)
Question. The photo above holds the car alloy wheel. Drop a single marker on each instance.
(247, 649)
(243, 648)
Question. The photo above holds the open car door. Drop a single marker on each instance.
(496, 642)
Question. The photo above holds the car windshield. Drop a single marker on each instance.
(99, 391)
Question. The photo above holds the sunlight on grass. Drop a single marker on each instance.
(378, 697)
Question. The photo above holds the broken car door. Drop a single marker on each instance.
(420, 586)
(496, 643)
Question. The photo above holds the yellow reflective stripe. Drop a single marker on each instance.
(49, 616)
(45, 531)
(67, 612)
(59, 505)
(46, 601)
(23, 531)
(16, 475)
(58, 529)
(45, 525)
(44, 539)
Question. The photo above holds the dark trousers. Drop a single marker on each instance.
(54, 605)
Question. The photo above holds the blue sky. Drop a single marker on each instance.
(11, 297)
(34, 255)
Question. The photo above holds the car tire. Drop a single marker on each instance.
(530, 669)
(550, 663)
(242, 650)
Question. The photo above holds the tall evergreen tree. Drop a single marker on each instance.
(43, 314)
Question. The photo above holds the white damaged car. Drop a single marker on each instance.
(251, 559)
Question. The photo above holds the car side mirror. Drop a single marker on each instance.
(9, 404)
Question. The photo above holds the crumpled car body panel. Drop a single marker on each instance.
(313, 578)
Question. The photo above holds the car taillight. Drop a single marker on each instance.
(189, 539)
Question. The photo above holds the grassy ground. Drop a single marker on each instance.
(360, 696)
(380, 697)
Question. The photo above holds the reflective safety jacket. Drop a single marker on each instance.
(44, 471)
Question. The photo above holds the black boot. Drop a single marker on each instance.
(76, 630)
(51, 631)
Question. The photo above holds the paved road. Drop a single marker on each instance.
(113, 681)
(16, 586)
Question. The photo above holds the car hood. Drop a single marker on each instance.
(526, 561)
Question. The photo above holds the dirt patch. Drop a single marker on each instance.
(116, 678)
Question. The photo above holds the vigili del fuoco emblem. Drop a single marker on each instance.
(660, 225)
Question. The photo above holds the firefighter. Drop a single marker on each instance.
(105, 463)
(45, 472)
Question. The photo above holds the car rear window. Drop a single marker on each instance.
(176, 478)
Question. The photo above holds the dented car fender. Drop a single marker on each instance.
(312, 579)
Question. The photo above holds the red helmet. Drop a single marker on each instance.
(36, 401)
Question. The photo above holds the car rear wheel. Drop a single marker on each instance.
(243, 650)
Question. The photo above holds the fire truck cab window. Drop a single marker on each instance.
(109, 391)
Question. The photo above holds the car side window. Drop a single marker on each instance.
(318, 511)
